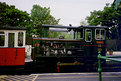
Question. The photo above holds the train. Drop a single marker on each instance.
(65, 55)
(54, 54)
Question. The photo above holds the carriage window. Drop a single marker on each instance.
(100, 34)
(2, 38)
(20, 39)
(11, 37)
(88, 37)
(79, 34)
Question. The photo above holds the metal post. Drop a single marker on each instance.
(99, 68)
(106, 58)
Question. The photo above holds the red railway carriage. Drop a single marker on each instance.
(12, 46)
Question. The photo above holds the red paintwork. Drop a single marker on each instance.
(100, 42)
(12, 56)
(20, 58)
(37, 45)
(94, 45)
(2, 56)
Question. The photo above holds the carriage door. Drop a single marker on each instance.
(88, 42)
(11, 51)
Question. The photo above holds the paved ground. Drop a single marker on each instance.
(106, 76)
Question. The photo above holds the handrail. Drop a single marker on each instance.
(105, 58)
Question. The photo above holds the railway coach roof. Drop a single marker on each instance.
(72, 27)
(92, 26)
(11, 28)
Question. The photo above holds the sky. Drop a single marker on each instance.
(69, 11)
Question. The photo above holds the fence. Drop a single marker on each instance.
(111, 58)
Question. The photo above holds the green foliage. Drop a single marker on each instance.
(54, 34)
(10, 16)
(107, 17)
(57, 34)
(41, 15)
(67, 35)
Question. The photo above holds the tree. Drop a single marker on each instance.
(107, 17)
(41, 15)
(83, 22)
(10, 16)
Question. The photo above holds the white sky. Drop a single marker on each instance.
(69, 11)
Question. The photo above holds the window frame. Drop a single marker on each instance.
(20, 40)
(99, 33)
(86, 34)
(76, 34)
(8, 37)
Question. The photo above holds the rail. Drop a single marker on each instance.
(105, 58)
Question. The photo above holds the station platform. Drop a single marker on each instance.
(89, 76)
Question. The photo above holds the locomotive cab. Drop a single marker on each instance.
(93, 38)
(12, 46)
(94, 42)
